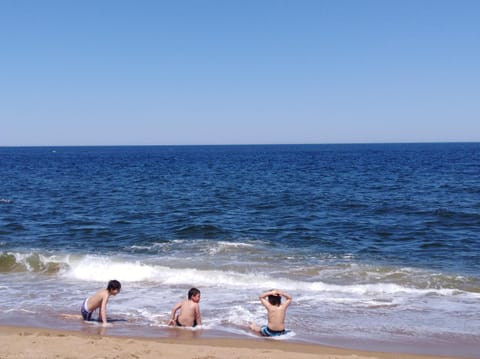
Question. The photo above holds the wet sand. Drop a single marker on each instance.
(30, 342)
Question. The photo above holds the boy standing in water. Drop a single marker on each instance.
(276, 311)
(189, 315)
(100, 300)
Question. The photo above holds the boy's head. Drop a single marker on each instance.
(194, 294)
(275, 300)
(114, 287)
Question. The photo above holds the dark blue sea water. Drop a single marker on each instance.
(378, 244)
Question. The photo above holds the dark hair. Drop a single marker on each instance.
(193, 292)
(275, 299)
(114, 284)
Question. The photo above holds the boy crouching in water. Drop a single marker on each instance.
(276, 311)
(189, 315)
(100, 300)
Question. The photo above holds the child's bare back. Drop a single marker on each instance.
(96, 300)
(188, 313)
(276, 316)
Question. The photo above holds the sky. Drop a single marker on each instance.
(195, 72)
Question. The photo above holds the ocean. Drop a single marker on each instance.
(378, 244)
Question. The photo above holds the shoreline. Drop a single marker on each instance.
(34, 342)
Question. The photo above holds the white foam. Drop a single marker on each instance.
(221, 246)
(92, 268)
(288, 335)
(19, 310)
(100, 268)
(103, 268)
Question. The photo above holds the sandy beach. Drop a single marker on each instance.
(28, 342)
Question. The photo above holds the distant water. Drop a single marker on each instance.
(379, 245)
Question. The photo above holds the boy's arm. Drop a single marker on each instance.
(288, 298)
(265, 302)
(198, 316)
(174, 311)
(103, 308)
(264, 295)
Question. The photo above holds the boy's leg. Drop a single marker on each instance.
(255, 328)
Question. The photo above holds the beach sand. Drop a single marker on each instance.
(29, 342)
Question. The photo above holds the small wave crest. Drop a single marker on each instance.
(31, 262)
(196, 247)
(200, 231)
(95, 268)
(372, 293)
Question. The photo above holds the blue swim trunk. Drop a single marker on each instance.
(85, 313)
(266, 332)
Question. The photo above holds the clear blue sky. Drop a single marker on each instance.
(113, 72)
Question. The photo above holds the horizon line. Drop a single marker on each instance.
(243, 144)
